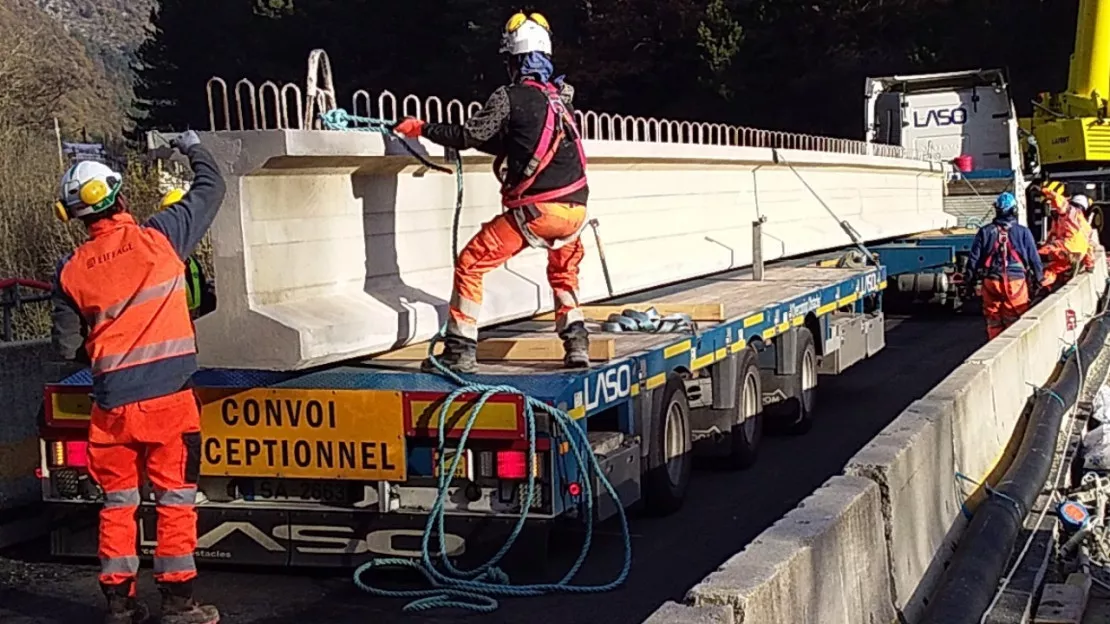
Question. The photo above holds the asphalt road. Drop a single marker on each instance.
(723, 513)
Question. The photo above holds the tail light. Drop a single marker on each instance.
(69, 454)
(513, 465)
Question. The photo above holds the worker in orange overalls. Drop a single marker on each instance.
(1004, 255)
(529, 126)
(1069, 240)
(119, 305)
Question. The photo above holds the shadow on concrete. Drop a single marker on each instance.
(378, 192)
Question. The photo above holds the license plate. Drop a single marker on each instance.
(461, 472)
(279, 490)
(292, 433)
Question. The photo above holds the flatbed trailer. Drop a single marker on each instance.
(333, 466)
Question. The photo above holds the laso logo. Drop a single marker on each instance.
(940, 117)
(607, 386)
(323, 540)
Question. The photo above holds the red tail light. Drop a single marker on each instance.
(512, 465)
(69, 454)
(77, 454)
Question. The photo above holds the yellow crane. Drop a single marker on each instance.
(1070, 132)
(1072, 129)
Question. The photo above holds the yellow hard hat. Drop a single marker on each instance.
(171, 197)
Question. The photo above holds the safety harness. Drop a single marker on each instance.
(1004, 250)
(558, 124)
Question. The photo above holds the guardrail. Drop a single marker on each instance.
(270, 106)
(11, 299)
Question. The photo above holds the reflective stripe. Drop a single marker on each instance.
(566, 320)
(463, 329)
(468, 308)
(179, 563)
(119, 565)
(147, 353)
(122, 498)
(151, 293)
(192, 286)
(566, 298)
(182, 496)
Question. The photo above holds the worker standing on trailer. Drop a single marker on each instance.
(1004, 254)
(119, 305)
(199, 290)
(529, 126)
(1069, 240)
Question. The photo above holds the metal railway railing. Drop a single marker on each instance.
(12, 299)
(271, 106)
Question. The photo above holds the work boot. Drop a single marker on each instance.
(459, 355)
(178, 606)
(123, 608)
(576, 345)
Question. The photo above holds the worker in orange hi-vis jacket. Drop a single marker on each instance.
(120, 306)
(1068, 246)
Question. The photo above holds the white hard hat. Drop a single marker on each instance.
(526, 33)
(1081, 201)
(87, 188)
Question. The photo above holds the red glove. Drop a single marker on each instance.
(409, 127)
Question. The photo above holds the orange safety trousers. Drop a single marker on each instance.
(1059, 263)
(161, 438)
(1004, 301)
(499, 240)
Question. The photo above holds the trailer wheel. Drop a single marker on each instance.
(747, 430)
(795, 414)
(670, 456)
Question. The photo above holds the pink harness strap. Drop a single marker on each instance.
(555, 126)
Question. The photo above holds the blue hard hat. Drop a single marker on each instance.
(1006, 203)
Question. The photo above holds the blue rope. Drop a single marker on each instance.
(478, 589)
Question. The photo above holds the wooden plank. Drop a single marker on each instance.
(697, 311)
(512, 349)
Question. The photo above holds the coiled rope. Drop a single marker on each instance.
(479, 588)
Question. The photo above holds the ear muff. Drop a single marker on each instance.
(541, 20)
(515, 22)
(518, 20)
(60, 212)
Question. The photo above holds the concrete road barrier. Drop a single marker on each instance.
(919, 480)
(825, 561)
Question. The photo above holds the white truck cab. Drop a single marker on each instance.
(947, 115)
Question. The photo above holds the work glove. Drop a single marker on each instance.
(409, 127)
(184, 141)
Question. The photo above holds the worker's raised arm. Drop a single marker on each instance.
(186, 222)
(482, 131)
(67, 332)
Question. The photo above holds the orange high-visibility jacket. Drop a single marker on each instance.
(121, 295)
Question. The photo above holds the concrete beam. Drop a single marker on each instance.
(333, 245)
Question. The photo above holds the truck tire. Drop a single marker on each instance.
(795, 415)
(747, 428)
(670, 456)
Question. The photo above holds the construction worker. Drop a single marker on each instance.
(1004, 255)
(199, 291)
(119, 305)
(529, 126)
(1068, 246)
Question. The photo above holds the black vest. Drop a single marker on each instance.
(528, 112)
